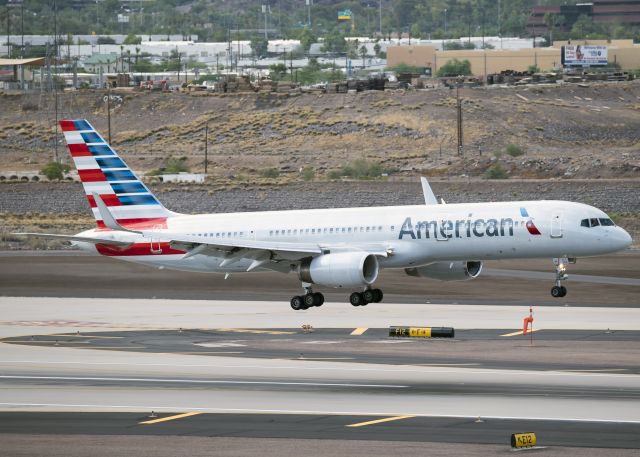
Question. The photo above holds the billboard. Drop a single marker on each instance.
(584, 55)
(344, 15)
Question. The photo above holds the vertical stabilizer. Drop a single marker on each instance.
(104, 173)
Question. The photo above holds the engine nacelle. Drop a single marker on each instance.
(448, 271)
(343, 269)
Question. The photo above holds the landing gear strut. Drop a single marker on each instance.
(308, 300)
(559, 291)
(366, 297)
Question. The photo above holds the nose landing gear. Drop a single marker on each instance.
(559, 291)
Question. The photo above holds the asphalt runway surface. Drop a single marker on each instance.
(611, 281)
(239, 375)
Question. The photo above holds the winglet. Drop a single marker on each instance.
(107, 217)
(429, 196)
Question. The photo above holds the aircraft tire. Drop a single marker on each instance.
(563, 291)
(377, 295)
(369, 295)
(356, 299)
(297, 303)
(556, 291)
(309, 300)
(318, 299)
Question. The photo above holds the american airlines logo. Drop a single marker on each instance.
(463, 228)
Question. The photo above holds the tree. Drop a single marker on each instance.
(132, 39)
(582, 27)
(552, 20)
(376, 49)
(363, 54)
(277, 71)
(106, 40)
(334, 42)
(455, 67)
(307, 38)
(259, 46)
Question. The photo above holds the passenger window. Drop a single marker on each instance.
(393, 227)
(313, 231)
(331, 230)
(343, 229)
(368, 228)
(594, 222)
(349, 229)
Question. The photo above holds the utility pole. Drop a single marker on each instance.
(206, 145)
(8, 30)
(380, 17)
(308, 12)
(459, 109)
(264, 11)
(109, 110)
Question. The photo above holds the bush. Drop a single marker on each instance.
(495, 172)
(176, 165)
(455, 67)
(514, 150)
(270, 173)
(54, 170)
(308, 173)
(362, 169)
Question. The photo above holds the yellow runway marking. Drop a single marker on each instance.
(169, 418)
(379, 421)
(359, 331)
(519, 332)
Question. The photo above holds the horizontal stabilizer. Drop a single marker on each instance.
(83, 239)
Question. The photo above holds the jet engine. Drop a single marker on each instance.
(344, 269)
(447, 271)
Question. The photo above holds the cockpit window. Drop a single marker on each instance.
(594, 222)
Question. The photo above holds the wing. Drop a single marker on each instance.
(107, 241)
(274, 255)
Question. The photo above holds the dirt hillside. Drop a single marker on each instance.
(569, 131)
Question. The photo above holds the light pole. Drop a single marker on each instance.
(445, 21)
(380, 17)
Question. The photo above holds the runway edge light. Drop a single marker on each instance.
(523, 440)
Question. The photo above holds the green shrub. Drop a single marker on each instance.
(362, 169)
(495, 171)
(455, 67)
(308, 173)
(54, 170)
(514, 150)
(270, 173)
(176, 165)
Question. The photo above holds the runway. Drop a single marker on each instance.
(79, 374)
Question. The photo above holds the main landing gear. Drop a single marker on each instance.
(366, 297)
(308, 300)
(559, 291)
(311, 298)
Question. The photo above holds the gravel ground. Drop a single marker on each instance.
(67, 198)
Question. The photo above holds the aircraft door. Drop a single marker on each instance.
(556, 225)
(155, 247)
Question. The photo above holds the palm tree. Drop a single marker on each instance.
(363, 53)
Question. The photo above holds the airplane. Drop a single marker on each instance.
(337, 247)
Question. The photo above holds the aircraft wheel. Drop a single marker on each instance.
(356, 299)
(369, 295)
(556, 291)
(309, 300)
(377, 295)
(318, 299)
(297, 303)
(563, 291)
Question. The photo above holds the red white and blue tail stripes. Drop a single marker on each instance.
(104, 173)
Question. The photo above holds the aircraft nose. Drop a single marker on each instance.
(624, 239)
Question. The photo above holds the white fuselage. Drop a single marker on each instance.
(411, 235)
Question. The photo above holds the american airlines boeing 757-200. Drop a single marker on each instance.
(342, 248)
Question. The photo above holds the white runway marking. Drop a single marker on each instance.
(202, 381)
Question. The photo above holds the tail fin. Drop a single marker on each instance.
(104, 173)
